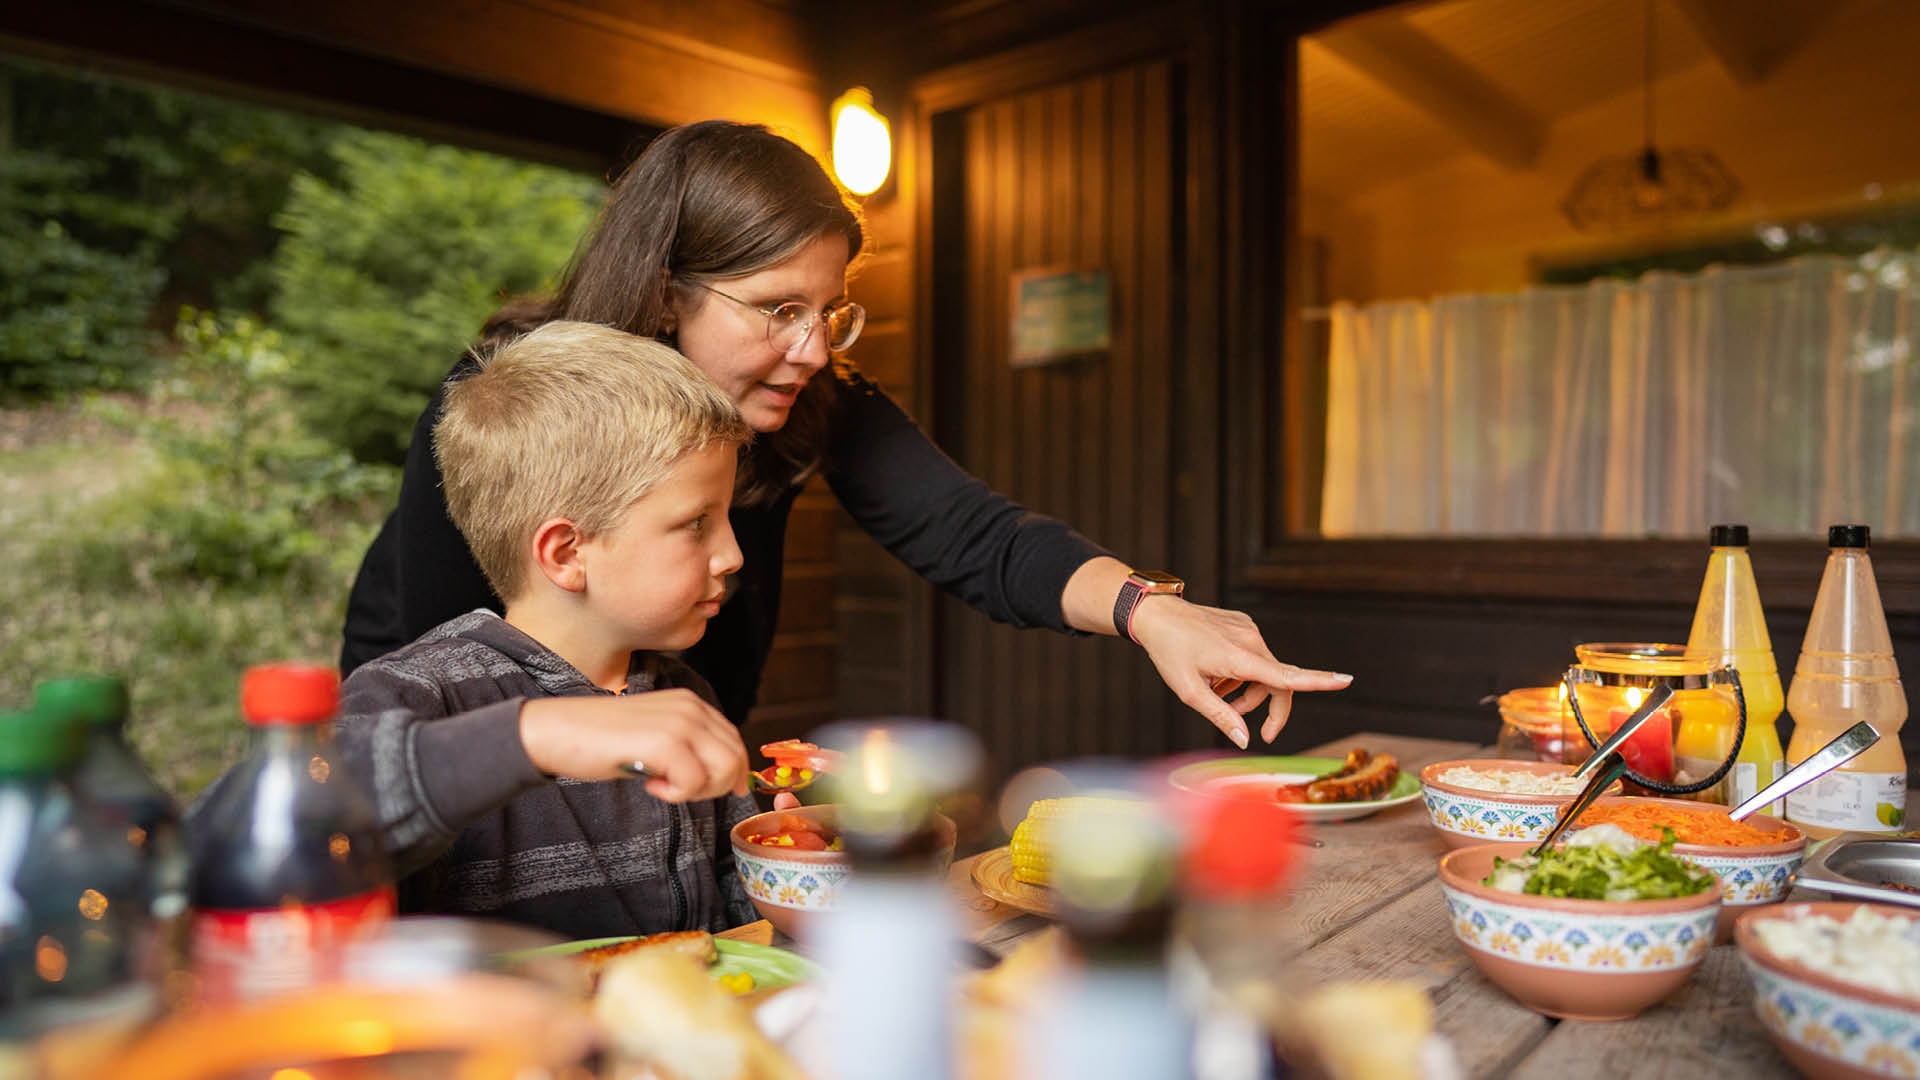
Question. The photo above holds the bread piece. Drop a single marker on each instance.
(1367, 1030)
(696, 945)
(659, 1007)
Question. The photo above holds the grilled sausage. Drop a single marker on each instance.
(1371, 780)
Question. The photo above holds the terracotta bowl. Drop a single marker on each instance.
(1574, 959)
(1749, 876)
(1467, 816)
(786, 885)
(1827, 1027)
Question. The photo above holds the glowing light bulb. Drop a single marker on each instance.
(862, 146)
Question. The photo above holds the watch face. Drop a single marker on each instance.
(1155, 581)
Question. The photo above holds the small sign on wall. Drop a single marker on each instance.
(1060, 314)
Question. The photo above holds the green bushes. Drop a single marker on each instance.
(178, 537)
(175, 508)
(387, 273)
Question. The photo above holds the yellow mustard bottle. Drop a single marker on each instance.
(1847, 673)
(1729, 626)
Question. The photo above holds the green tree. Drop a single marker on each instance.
(120, 202)
(386, 273)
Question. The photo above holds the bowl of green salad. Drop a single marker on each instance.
(1600, 928)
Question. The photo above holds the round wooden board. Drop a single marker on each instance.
(993, 875)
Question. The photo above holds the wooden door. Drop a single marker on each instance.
(1086, 174)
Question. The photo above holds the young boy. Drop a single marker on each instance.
(591, 472)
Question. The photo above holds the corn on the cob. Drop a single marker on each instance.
(1032, 847)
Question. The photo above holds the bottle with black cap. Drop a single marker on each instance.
(1846, 674)
(1729, 625)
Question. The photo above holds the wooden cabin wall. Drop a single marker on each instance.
(1084, 174)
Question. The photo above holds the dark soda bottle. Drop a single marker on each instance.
(287, 860)
(111, 776)
(73, 925)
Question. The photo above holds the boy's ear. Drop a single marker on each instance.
(556, 547)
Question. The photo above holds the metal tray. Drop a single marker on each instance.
(1862, 866)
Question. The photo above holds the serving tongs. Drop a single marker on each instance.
(1606, 766)
(1842, 749)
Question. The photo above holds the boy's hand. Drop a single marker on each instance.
(692, 750)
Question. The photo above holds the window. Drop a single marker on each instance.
(1478, 365)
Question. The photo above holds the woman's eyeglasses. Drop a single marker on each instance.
(791, 324)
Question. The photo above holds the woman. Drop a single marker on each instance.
(731, 244)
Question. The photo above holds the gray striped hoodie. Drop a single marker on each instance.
(432, 730)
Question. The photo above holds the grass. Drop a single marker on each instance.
(181, 645)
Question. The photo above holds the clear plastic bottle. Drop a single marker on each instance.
(1117, 1013)
(1729, 625)
(288, 863)
(1847, 674)
(887, 1011)
(111, 775)
(73, 925)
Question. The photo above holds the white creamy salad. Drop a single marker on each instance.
(1512, 781)
(1868, 949)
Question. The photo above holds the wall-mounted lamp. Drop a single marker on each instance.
(862, 149)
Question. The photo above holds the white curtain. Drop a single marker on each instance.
(1785, 396)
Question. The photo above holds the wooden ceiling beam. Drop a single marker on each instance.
(1746, 45)
(1417, 69)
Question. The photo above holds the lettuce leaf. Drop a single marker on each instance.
(1599, 872)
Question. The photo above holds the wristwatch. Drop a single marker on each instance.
(1139, 585)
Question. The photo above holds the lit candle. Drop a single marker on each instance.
(1648, 751)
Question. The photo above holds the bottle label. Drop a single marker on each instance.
(1852, 802)
(1748, 779)
(240, 955)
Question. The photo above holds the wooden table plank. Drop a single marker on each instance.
(1367, 864)
(1706, 1029)
(1411, 939)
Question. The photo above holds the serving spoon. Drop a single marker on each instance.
(1606, 765)
(1842, 749)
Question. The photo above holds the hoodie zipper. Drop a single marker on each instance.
(673, 870)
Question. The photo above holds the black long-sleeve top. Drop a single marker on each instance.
(915, 501)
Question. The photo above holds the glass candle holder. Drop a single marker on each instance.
(1688, 746)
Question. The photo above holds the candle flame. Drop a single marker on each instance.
(1635, 696)
(875, 766)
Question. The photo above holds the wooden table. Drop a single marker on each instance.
(1369, 907)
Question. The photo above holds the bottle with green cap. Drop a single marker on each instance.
(111, 775)
(74, 932)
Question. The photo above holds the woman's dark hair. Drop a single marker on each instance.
(703, 202)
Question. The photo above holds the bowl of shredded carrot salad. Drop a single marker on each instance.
(1755, 858)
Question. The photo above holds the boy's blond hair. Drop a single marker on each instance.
(572, 420)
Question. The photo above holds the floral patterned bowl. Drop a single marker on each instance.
(1749, 876)
(1471, 816)
(1827, 1027)
(1575, 959)
(787, 885)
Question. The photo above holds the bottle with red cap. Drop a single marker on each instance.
(287, 860)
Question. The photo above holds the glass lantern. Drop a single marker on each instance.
(1686, 748)
(1536, 725)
